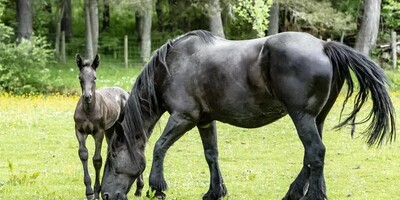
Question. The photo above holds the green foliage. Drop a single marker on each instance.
(23, 67)
(319, 18)
(20, 179)
(255, 12)
(391, 14)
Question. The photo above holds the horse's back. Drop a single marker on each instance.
(222, 80)
(246, 83)
(114, 94)
(111, 102)
(114, 99)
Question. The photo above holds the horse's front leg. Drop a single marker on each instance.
(176, 126)
(97, 161)
(83, 155)
(208, 135)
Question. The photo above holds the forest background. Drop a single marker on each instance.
(38, 37)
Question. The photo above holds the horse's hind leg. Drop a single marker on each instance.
(97, 161)
(313, 163)
(208, 135)
(83, 155)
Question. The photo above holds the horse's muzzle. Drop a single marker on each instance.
(116, 196)
(87, 98)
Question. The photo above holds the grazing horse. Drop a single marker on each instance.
(95, 114)
(200, 78)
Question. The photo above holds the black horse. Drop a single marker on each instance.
(199, 78)
(95, 114)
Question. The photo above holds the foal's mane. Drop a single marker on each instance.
(143, 101)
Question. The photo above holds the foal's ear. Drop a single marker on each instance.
(96, 61)
(78, 61)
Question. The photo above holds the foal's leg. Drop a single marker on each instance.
(139, 186)
(208, 135)
(313, 165)
(83, 155)
(97, 161)
(176, 126)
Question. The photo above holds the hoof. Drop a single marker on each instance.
(216, 194)
(90, 197)
(157, 195)
(138, 193)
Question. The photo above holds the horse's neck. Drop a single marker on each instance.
(149, 122)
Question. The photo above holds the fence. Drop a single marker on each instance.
(393, 48)
(125, 49)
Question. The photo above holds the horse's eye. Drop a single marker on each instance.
(114, 155)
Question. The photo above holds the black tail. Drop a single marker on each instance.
(371, 79)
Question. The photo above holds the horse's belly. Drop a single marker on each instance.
(252, 117)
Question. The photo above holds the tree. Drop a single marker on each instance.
(92, 28)
(273, 27)
(106, 15)
(66, 21)
(214, 16)
(160, 5)
(145, 29)
(24, 17)
(316, 17)
(255, 12)
(368, 32)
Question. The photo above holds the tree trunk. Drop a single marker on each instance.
(24, 18)
(273, 27)
(215, 20)
(366, 37)
(146, 31)
(139, 26)
(92, 28)
(66, 21)
(50, 25)
(89, 43)
(160, 15)
(106, 15)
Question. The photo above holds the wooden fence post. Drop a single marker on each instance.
(393, 46)
(342, 38)
(126, 51)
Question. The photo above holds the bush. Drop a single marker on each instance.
(23, 66)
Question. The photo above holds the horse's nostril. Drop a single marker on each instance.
(118, 196)
(106, 196)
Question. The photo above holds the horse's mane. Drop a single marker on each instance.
(143, 98)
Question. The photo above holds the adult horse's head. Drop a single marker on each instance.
(123, 166)
(87, 76)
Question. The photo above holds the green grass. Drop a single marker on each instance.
(39, 153)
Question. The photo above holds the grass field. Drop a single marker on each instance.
(39, 154)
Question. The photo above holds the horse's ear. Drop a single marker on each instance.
(78, 61)
(96, 61)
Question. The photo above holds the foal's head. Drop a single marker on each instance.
(87, 76)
